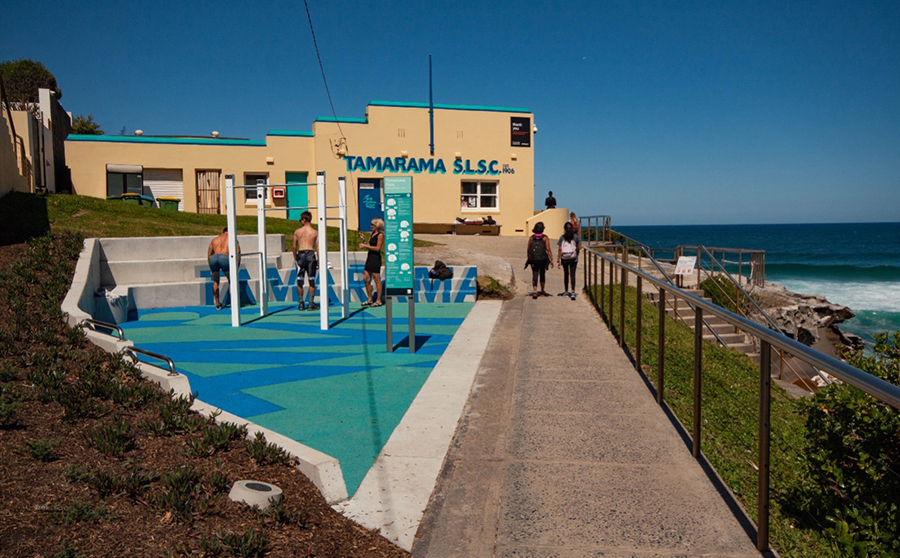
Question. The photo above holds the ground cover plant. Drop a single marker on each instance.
(93, 217)
(809, 517)
(99, 462)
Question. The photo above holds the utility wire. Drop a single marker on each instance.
(322, 68)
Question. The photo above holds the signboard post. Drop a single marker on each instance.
(398, 251)
(685, 266)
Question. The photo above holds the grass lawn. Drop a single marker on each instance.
(729, 411)
(26, 215)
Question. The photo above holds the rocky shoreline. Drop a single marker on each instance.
(808, 318)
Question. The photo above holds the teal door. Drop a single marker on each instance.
(297, 196)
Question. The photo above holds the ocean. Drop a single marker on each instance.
(852, 264)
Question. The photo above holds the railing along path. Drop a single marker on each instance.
(596, 275)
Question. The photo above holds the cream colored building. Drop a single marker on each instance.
(483, 164)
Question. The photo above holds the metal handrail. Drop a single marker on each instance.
(876, 387)
(882, 390)
(134, 351)
(759, 308)
(646, 251)
(93, 324)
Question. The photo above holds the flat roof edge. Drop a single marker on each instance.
(178, 141)
(290, 133)
(449, 107)
(339, 120)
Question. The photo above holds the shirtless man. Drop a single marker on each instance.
(217, 257)
(304, 248)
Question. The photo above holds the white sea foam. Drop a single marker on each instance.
(872, 296)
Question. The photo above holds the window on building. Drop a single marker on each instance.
(253, 178)
(479, 195)
(124, 179)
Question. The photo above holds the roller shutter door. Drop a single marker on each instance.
(165, 182)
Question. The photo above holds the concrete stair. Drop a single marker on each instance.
(732, 337)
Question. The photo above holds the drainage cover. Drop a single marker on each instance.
(256, 493)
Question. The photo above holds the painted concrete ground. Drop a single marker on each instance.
(339, 391)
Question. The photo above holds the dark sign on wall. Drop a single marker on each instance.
(520, 131)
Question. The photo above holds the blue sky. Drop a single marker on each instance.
(661, 112)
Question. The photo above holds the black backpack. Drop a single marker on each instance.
(537, 251)
(440, 271)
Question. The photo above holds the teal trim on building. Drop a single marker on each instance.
(177, 141)
(290, 133)
(448, 107)
(342, 120)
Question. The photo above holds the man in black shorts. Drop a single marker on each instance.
(304, 248)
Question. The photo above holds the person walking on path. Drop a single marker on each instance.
(217, 258)
(576, 226)
(372, 271)
(303, 246)
(550, 202)
(539, 257)
(569, 247)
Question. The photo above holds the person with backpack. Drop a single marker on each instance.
(539, 257)
(569, 246)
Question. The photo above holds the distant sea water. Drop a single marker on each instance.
(852, 264)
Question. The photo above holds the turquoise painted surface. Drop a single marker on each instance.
(339, 391)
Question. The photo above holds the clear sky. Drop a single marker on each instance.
(663, 112)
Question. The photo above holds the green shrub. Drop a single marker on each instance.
(65, 551)
(249, 544)
(853, 455)
(78, 512)
(264, 452)
(76, 472)
(183, 493)
(40, 450)
(113, 439)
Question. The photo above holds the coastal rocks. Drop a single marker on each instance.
(809, 318)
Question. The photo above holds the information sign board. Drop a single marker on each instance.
(398, 235)
(685, 265)
(520, 131)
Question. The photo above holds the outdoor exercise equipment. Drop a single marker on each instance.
(322, 217)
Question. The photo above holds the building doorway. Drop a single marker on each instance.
(297, 196)
(370, 206)
(208, 194)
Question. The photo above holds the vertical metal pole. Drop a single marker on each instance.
(698, 267)
(263, 291)
(698, 366)
(323, 249)
(430, 106)
(412, 323)
(388, 325)
(612, 279)
(661, 346)
(624, 279)
(639, 303)
(765, 430)
(345, 273)
(602, 284)
(234, 293)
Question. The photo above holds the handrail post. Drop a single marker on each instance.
(623, 276)
(661, 346)
(698, 366)
(765, 430)
(637, 330)
(602, 285)
(612, 279)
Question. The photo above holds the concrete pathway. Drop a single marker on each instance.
(563, 452)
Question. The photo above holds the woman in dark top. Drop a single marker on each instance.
(373, 262)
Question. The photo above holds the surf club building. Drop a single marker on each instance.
(481, 165)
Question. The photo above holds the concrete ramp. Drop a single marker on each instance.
(563, 452)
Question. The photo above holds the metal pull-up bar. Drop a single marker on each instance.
(321, 208)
